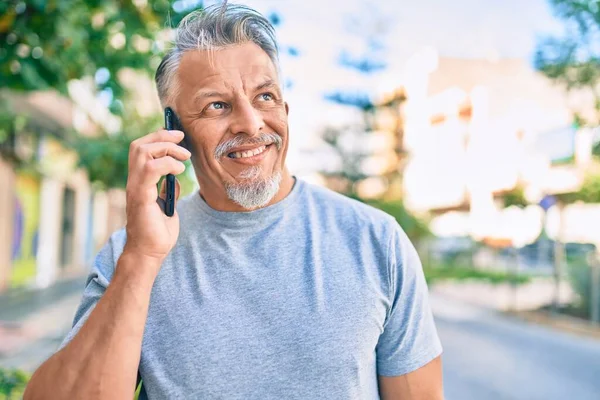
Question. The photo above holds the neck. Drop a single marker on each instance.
(218, 200)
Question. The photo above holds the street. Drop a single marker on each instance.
(494, 357)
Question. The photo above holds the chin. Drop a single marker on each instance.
(255, 191)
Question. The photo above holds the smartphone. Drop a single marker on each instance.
(169, 208)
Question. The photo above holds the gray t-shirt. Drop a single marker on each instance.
(310, 298)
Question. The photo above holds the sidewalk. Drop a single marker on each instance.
(523, 304)
(34, 322)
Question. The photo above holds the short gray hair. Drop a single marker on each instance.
(217, 26)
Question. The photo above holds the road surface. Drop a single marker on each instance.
(489, 356)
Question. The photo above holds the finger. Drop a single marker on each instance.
(153, 170)
(163, 189)
(162, 192)
(162, 149)
(159, 136)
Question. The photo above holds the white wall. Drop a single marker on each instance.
(79, 183)
(7, 178)
(51, 198)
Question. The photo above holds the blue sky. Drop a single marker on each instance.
(462, 28)
(457, 28)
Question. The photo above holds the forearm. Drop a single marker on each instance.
(101, 362)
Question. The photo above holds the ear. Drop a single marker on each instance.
(287, 108)
(185, 142)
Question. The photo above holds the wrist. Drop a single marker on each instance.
(139, 266)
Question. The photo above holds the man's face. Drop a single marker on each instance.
(234, 116)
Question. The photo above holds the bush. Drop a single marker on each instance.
(442, 272)
(12, 383)
(415, 228)
(580, 275)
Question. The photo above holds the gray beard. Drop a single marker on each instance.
(254, 193)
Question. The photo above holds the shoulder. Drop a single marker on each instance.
(348, 212)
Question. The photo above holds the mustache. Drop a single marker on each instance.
(225, 148)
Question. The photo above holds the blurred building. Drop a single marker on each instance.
(51, 220)
(476, 129)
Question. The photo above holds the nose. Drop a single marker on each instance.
(246, 119)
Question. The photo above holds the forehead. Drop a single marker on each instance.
(231, 67)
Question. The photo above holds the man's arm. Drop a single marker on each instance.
(423, 384)
(409, 365)
(102, 359)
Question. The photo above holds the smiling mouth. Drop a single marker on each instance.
(249, 153)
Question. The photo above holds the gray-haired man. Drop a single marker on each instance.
(261, 286)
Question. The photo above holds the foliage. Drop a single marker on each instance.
(371, 30)
(12, 383)
(574, 60)
(414, 227)
(349, 170)
(138, 390)
(580, 275)
(7, 120)
(588, 193)
(46, 44)
(106, 157)
(515, 197)
(367, 57)
(457, 272)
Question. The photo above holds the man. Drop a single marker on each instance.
(261, 286)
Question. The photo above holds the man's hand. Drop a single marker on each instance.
(102, 360)
(150, 233)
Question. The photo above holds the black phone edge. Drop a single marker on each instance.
(170, 178)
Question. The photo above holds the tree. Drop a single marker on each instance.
(371, 30)
(589, 191)
(574, 60)
(349, 171)
(416, 229)
(47, 44)
(105, 157)
(515, 197)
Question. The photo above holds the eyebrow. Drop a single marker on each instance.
(267, 84)
(211, 93)
(207, 94)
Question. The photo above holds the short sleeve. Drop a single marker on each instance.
(97, 281)
(409, 339)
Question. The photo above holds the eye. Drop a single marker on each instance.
(217, 105)
(266, 96)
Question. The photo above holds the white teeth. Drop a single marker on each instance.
(258, 151)
(249, 153)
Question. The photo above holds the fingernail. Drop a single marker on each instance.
(175, 133)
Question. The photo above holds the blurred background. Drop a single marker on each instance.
(474, 123)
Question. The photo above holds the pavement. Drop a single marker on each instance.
(33, 323)
(488, 355)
